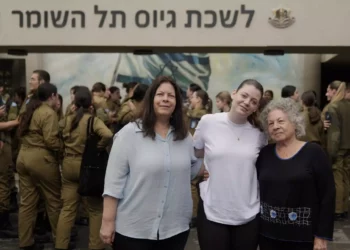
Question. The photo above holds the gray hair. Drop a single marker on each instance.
(293, 111)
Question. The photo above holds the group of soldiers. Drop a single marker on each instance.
(107, 106)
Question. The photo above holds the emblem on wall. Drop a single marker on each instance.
(281, 18)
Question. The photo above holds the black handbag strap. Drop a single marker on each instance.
(90, 126)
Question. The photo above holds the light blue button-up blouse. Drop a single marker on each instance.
(151, 179)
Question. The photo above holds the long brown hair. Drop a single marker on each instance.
(254, 117)
(83, 101)
(225, 97)
(42, 94)
(148, 116)
(309, 100)
(206, 101)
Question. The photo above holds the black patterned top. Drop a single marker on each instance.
(297, 194)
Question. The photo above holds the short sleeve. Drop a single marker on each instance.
(196, 163)
(263, 140)
(198, 137)
(118, 163)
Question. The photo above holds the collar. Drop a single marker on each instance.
(138, 126)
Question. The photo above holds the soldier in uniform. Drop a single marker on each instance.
(70, 109)
(38, 77)
(129, 89)
(290, 91)
(131, 108)
(335, 92)
(74, 135)
(8, 120)
(37, 163)
(200, 105)
(20, 95)
(113, 103)
(312, 115)
(338, 147)
(100, 103)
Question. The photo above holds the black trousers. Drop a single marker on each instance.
(215, 236)
(271, 244)
(177, 242)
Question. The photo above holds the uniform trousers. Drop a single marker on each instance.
(71, 200)
(39, 174)
(341, 173)
(5, 163)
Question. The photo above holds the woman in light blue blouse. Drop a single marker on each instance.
(147, 196)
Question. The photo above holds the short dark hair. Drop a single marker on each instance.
(21, 92)
(288, 91)
(43, 75)
(139, 92)
(194, 87)
(129, 85)
(45, 91)
(113, 89)
(148, 115)
(98, 87)
(74, 89)
(270, 92)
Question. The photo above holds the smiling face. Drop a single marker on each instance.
(280, 128)
(219, 104)
(246, 100)
(195, 100)
(330, 93)
(164, 101)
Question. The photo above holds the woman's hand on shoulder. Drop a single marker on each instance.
(206, 175)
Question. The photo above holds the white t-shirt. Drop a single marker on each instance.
(230, 195)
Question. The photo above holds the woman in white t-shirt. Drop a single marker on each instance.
(227, 212)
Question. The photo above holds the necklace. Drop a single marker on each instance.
(240, 134)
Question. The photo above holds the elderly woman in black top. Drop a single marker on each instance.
(297, 192)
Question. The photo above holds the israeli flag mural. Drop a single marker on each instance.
(184, 68)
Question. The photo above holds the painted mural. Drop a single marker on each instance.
(214, 72)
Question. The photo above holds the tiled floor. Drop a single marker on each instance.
(341, 236)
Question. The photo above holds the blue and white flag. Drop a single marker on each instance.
(184, 68)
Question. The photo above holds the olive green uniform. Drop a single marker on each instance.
(6, 168)
(193, 117)
(101, 108)
(74, 143)
(126, 114)
(313, 127)
(69, 110)
(338, 147)
(113, 106)
(38, 170)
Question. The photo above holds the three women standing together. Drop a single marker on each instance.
(147, 199)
